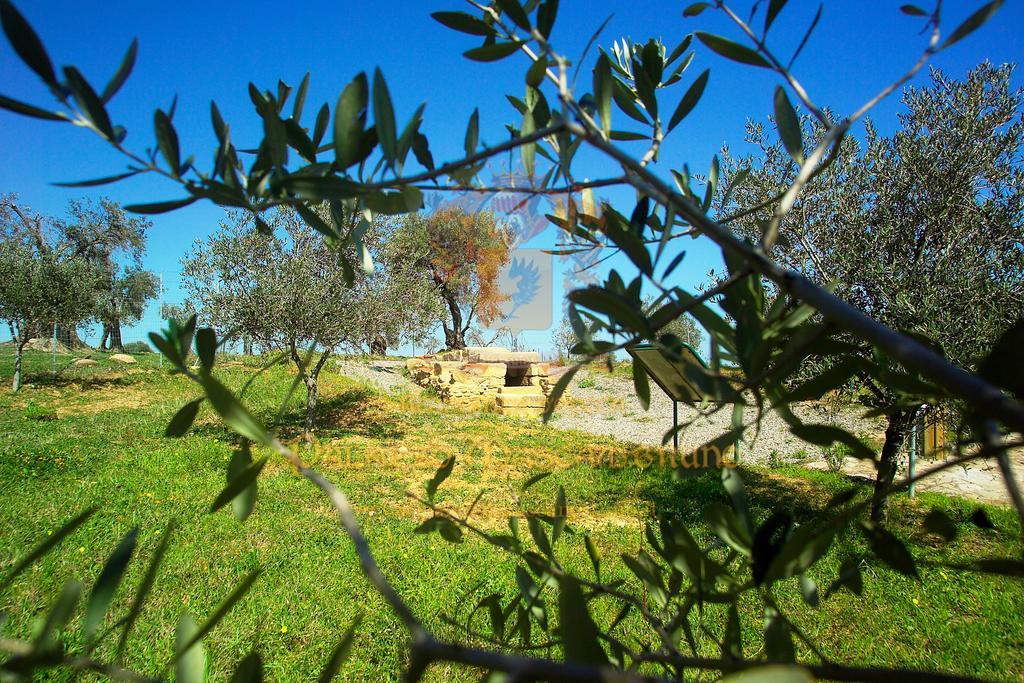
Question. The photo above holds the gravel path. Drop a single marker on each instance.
(603, 404)
(386, 375)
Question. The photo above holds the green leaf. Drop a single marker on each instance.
(1004, 366)
(493, 52)
(625, 100)
(535, 74)
(789, 125)
(319, 187)
(809, 591)
(472, 133)
(645, 91)
(349, 121)
(206, 347)
(595, 556)
(26, 43)
(47, 545)
(30, 110)
(528, 151)
(726, 525)
(733, 484)
(539, 537)
(695, 9)
(89, 102)
(122, 73)
(546, 14)
(234, 413)
(972, 23)
(730, 50)
(341, 652)
(442, 473)
(464, 23)
(300, 98)
(613, 305)
(384, 117)
(641, 385)
(515, 12)
(184, 645)
(579, 632)
(244, 502)
(98, 181)
(145, 587)
(603, 89)
(690, 99)
(160, 207)
(770, 673)
(190, 665)
(107, 583)
(829, 380)
(556, 392)
(249, 670)
(913, 10)
(826, 435)
(774, 7)
(533, 480)
(242, 476)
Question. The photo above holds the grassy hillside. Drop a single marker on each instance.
(93, 436)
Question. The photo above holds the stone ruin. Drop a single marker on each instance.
(515, 382)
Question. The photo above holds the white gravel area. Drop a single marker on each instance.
(607, 405)
(386, 375)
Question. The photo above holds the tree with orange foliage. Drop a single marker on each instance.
(463, 254)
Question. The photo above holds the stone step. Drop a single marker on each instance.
(519, 390)
(520, 412)
(521, 401)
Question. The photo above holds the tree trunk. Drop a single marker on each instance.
(19, 352)
(896, 432)
(103, 339)
(378, 347)
(115, 335)
(247, 346)
(312, 393)
(454, 336)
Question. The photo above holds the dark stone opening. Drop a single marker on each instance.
(515, 375)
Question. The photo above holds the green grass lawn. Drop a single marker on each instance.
(93, 436)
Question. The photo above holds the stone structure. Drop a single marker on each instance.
(516, 383)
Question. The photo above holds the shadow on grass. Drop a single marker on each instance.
(358, 411)
(684, 497)
(104, 379)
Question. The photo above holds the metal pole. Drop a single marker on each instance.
(912, 465)
(160, 313)
(54, 349)
(675, 425)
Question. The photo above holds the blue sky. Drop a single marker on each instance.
(206, 51)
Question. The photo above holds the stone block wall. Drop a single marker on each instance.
(516, 383)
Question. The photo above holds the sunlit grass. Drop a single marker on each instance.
(93, 436)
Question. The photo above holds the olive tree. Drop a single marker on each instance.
(285, 288)
(774, 318)
(920, 230)
(113, 242)
(462, 254)
(40, 285)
